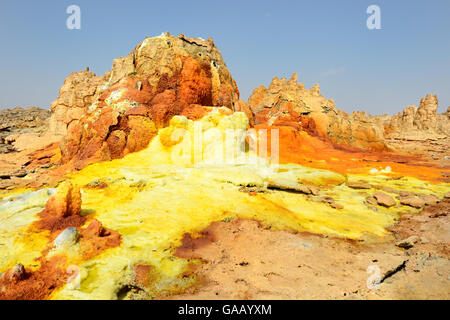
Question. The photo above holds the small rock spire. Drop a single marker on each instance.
(294, 78)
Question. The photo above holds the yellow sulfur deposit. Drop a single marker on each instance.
(155, 196)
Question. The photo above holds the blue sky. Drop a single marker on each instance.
(326, 42)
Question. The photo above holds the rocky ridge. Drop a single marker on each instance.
(287, 102)
(420, 130)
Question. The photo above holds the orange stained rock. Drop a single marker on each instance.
(144, 275)
(50, 155)
(163, 77)
(95, 238)
(65, 202)
(54, 272)
(299, 147)
(63, 209)
(35, 285)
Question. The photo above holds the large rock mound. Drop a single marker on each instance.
(162, 77)
(287, 102)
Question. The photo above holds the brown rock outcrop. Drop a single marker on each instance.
(65, 202)
(412, 202)
(420, 123)
(358, 185)
(14, 122)
(162, 77)
(24, 139)
(420, 131)
(426, 118)
(289, 103)
(75, 96)
(63, 209)
(16, 273)
(384, 199)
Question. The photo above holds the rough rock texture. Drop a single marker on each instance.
(384, 199)
(24, 137)
(17, 121)
(78, 92)
(420, 131)
(420, 123)
(417, 131)
(65, 202)
(412, 201)
(425, 117)
(162, 77)
(289, 103)
(63, 209)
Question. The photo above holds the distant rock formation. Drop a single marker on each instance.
(18, 121)
(289, 103)
(419, 131)
(162, 77)
(420, 123)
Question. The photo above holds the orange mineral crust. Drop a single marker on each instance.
(63, 209)
(18, 283)
(301, 148)
(95, 238)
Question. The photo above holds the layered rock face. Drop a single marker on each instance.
(24, 137)
(443, 122)
(289, 103)
(17, 121)
(162, 77)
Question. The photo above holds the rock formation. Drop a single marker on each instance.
(422, 122)
(17, 121)
(63, 209)
(162, 77)
(75, 96)
(65, 202)
(419, 130)
(289, 103)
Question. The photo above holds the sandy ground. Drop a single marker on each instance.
(241, 260)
